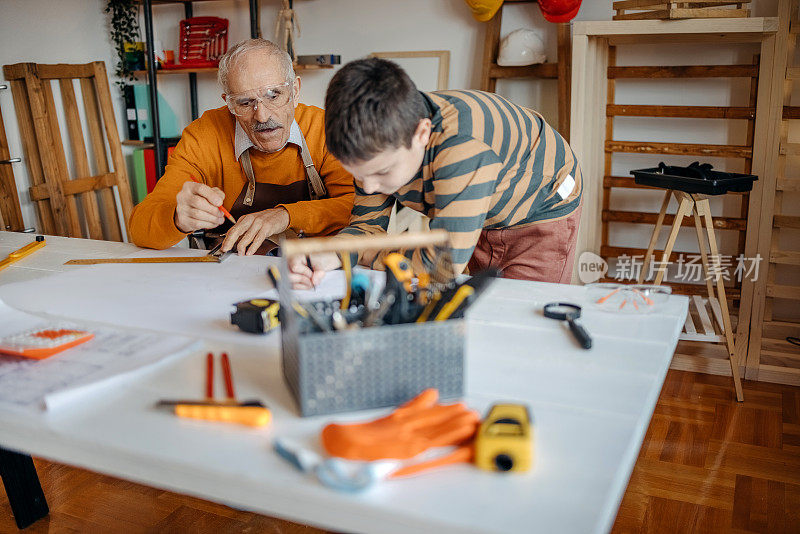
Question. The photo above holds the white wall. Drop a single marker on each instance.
(76, 31)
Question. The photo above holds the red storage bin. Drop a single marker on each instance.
(203, 40)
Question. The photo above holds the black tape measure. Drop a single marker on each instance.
(257, 316)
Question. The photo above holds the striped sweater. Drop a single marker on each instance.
(489, 164)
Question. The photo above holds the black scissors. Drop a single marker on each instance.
(563, 311)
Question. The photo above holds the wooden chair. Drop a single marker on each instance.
(76, 200)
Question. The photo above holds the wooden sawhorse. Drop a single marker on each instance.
(698, 206)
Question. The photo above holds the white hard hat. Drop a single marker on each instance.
(521, 47)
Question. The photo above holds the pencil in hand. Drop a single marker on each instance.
(221, 208)
(308, 263)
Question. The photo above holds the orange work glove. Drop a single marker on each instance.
(412, 428)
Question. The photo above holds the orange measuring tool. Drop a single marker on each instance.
(251, 412)
(221, 208)
(40, 343)
(17, 255)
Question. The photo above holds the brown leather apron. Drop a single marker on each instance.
(256, 196)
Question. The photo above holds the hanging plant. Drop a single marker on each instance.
(124, 28)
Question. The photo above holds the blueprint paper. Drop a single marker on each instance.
(192, 299)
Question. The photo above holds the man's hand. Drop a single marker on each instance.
(198, 207)
(303, 277)
(252, 229)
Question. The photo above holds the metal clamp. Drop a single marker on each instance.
(12, 160)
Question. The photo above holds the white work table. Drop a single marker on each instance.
(590, 408)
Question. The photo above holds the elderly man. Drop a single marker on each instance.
(263, 157)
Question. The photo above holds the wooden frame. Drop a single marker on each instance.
(590, 91)
(443, 76)
(769, 356)
(679, 9)
(54, 191)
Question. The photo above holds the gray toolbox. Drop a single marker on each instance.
(374, 367)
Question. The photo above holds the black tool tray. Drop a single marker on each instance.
(695, 178)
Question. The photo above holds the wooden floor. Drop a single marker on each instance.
(708, 464)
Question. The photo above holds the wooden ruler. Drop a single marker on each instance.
(178, 259)
(215, 255)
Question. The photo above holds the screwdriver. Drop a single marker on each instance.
(250, 413)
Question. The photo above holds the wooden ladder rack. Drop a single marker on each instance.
(491, 71)
(776, 293)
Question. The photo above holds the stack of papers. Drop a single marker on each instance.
(114, 355)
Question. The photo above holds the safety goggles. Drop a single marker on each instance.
(273, 96)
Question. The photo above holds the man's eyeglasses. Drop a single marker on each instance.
(273, 96)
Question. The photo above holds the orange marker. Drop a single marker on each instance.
(221, 208)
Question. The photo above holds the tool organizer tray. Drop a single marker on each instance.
(372, 367)
(695, 178)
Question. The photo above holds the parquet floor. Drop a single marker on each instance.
(710, 464)
(707, 464)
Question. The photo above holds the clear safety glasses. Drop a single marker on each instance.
(273, 96)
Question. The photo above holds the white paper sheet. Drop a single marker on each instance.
(193, 299)
(112, 356)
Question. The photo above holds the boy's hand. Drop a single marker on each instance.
(198, 207)
(303, 277)
(252, 229)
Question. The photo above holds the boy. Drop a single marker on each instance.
(495, 175)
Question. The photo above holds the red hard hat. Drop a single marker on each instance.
(559, 10)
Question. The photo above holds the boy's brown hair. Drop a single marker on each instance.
(371, 105)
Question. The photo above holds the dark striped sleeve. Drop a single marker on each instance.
(464, 180)
(370, 215)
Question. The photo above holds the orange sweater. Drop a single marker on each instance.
(206, 151)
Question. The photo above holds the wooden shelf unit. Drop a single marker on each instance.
(137, 144)
(152, 74)
(214, 70)
(744, 152)
(593, 110)
(161, 72)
